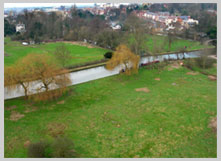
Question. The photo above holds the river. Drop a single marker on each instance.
(86, 75)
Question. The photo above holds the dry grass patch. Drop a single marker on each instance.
(56, 129)
(15, 116)
(32, 109)
(192, 73)
(11, 107)
(60, 102)
(80, 43)
(27, 143)
(213, 124)
(212, 78)
(145, 89)
(11, 144)
(175, 65)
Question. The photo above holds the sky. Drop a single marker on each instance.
(15, 5)
(23, 5)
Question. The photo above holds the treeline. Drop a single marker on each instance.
(79, 25)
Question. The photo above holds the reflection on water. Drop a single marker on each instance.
(95, 73)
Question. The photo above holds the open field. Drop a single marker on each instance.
(162, 43)
(80, 54)
(123, 116)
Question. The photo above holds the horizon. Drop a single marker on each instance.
(36, 5)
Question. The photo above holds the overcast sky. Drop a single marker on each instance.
(23, 5)
(12, 5)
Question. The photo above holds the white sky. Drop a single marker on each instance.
(13, 5)
(23, 5)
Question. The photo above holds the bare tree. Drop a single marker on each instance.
(62, 54)
(136, 34)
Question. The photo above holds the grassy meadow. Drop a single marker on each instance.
(14, 50)
(109, 117)
(80, 54)
(162, 43)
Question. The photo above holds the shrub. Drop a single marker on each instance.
(190, 63)
(204, 62)
(37, 150)
(108, 55)
(63, 148)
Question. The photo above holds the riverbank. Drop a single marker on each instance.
(103, 62)
(151, 114)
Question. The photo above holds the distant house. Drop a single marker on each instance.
(20, 28)
(24, 43)
(116, 27)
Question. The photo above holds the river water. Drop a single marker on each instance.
(94, 73)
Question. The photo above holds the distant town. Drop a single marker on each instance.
(160, 21)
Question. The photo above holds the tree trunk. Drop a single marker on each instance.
(25, 89)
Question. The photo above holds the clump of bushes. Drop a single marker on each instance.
(157, 65)
(108, 55)
(38, 150)
(204, 62)
(61, 147)
(190, 63)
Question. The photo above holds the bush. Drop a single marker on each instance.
(108, 55)
(17, 37)
(37, 150)
(63, 148)
(190, 63)
(205, 62)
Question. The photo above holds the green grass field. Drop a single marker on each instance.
(80, 54)
(162, 43)
(109, 118)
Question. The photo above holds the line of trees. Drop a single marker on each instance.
(79, 25)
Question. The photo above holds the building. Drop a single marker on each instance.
(20, 28)
(116, 27)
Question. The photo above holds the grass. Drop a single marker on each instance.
(108, 118)
(161, 42)
(80, 54)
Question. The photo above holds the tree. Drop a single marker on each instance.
(17, 75)
(136, 35)
(182, 50)
(124, 56)
(171, 38)
(9, 29)
(42, 69)
(62, 54)
(51, 76)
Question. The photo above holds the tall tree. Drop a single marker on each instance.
(62, 54)
(9, 29)
(136, 34)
